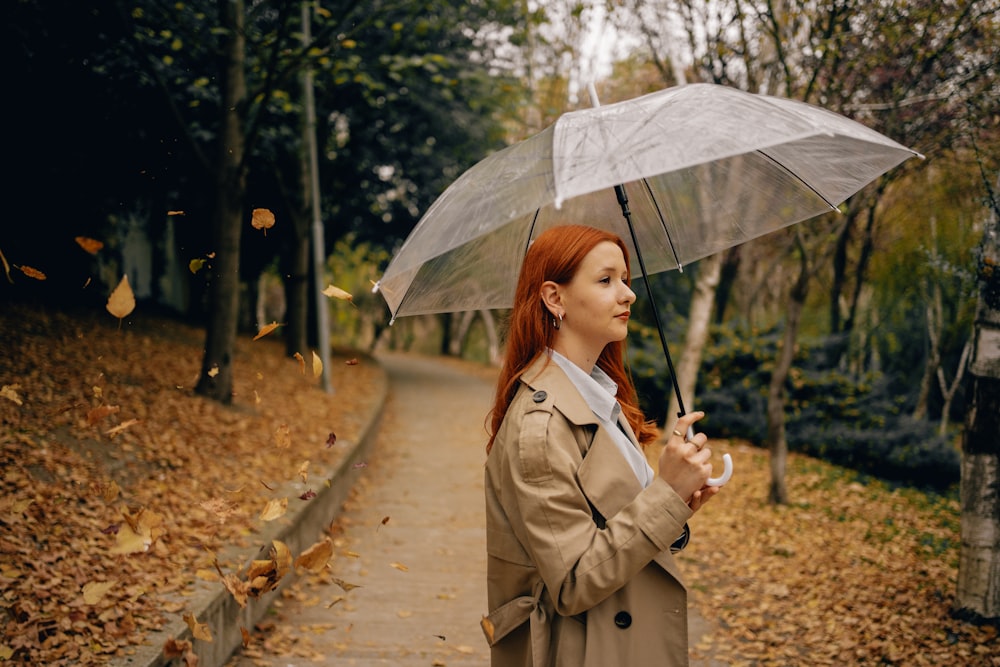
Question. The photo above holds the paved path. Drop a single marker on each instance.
(411, 538)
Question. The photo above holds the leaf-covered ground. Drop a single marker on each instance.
(106, 450)
(120, 487)
(849, 573)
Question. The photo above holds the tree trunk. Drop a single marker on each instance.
(699, 319)
(727, 279)
(778, 446)
(978, 589)
(216, 380)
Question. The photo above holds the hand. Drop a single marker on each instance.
(686, 464)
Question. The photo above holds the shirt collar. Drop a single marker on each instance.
(597, 388)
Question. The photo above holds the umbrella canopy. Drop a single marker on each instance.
(704, 167)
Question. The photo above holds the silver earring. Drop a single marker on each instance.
(556, 323)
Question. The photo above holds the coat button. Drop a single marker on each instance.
(539, 396)
(623, 619)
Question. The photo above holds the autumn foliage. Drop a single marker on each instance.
(121, 490)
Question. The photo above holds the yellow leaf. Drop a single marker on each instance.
(196, 264)
(171, 213)
(317, 365)
(95, 591)
(337, 293)
(400, 567)
(283, 436)
(213, 371)
(346, 586)
(9, 391)
(304, 471)
(262, 218)
(122, 300)
(138, 532)
(315, 557)
(266, 329)
(198, 630)
(274, 509)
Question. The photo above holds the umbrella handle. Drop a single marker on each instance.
(727, 465)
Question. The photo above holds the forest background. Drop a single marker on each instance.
(157, 128)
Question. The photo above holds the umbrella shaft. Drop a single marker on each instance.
(623, 202)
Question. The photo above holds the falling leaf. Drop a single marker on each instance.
(246, 636)
(283, 436)
(213, 371)
(337, 293)
(266, 329)
(351, 362)
(196, 265)
(9, 391)
(315, 557)
(302, 362)
(32, 272)
(361, 464)
(122, 300)
(317, 365)
(171, 213)
(109, 491)
(6, 268)
(336, 600)
(400, 567)
(95, 591)
(304, 471)
(139, 532)
(262, 218)
(331, 440)
(121, 427)
(220, 507)
(275, 508)
(175, 648)
(308, 495)
(93, 246)
(348, 587)
(198, 630)
(100, 412)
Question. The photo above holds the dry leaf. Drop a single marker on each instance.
(6, 268)
(95, 591)
(32, 273)
(266, 329)
(100, 412)
(304, 471)
(345, 585)
(122, 300)
(337, 293)
(262, 218)
(317, 365)
(302, 362)
(400, 567)
(213, 371)
(175, 648)
(315, 557)
(196, 265)
(283, 436)
(9, 391)
(198, 630)
(138, 533)
(275, 508)
(121, 427)
(351, 362)
(246, 636)
(331, 439)
(92, 246)
(172, 213)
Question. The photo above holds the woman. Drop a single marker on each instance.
(579, 528)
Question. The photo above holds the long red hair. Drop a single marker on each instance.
(556, 255)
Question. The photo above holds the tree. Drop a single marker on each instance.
(978, 590)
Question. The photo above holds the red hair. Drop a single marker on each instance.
(556, 255)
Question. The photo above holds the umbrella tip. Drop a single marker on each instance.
(592, 89)
(376, 286)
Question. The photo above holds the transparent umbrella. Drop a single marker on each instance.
(696, 169)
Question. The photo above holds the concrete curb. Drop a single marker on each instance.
(214, 606)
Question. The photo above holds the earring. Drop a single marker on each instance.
(557, 323)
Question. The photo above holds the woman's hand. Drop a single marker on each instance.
(686, 464)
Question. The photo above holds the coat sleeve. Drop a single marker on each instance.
(580, 563)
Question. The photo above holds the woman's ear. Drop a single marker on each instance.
(551, 297)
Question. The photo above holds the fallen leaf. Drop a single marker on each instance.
(122, 300)
(100, 412)
(308, 495)
(331, 439)
(95, 591)
(262, 218)
(32, 273)
(9, 391)
(315, 557)
(121, 427)
(198, 630)
(337, 293)
(88, 244)
(266, 329)
(351, 362)
(139, 532)
(283, 436)
(175, 648)
(275, 508)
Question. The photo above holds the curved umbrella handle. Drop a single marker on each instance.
(727, 472)
(727, 465)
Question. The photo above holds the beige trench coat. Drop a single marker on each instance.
(579, 569)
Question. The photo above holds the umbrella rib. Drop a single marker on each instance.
(663, 224)
(798, 178)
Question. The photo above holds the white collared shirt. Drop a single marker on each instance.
(599, 391)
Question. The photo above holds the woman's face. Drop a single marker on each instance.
(595, 304)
